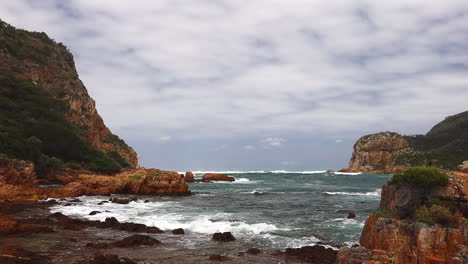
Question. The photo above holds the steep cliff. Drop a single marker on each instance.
(38, 74)
(416, 225)
(378, 152)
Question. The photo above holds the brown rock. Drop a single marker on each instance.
(351, 215)
(178, 231)
(120, 200)
(189, 177)
(94, 213)
(217, 177)
(223, 237)
(217, 257)
(463, 167)
(378, 152)
(313, 254)
(12, 255)
(110, 259)
(253, 251)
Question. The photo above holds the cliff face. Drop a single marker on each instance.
(378, 152)
(49, 65)
(395, 239)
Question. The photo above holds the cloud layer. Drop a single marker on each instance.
(247, 71)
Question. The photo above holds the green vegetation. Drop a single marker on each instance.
(421, 176)
(446, 143)
(385, 213)
(33, 127)
(135, 177)
(436, 214)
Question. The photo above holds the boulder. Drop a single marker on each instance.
(218, 257)
(110, 259)
(189, 177)
(253, 251)
(223, 237)
(217, 177)
(313, 254)
(463, 167)
(178, 231)
(351, 215)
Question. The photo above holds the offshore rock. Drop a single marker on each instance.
(223, 237)
(378, 153)
(313, 254)
(217, 177)
(189, 177)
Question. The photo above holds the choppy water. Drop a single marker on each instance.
(270, 210)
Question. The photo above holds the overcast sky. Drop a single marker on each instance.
(260, 84)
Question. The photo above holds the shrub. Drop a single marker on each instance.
(421, 176)
(135, 177)
(436, 214)
(45, 165)
(117, 157)
(386, 213)
(152, 175)
(74, 165)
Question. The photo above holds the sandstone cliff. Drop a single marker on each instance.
(378, 152)
(393, 237)
(34, 56)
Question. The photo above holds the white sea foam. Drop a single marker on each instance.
(377, 192)
(347, 173)
(296, 172)
(163, 216)
(228, 172)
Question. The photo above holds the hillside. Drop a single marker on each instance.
(46, 114)
(445, 146)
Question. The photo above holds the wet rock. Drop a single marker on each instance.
(189, 177)
(11, 225)
(94, 213)
(75, 201)
(110, 259)
(147, 201)
(178, 231)
(218, 257)
(217, 177)
(241, 254)
(223, 237)
(254, 251)
(128, 242)
(351, 215)
(120, 200)
(313, 254)
(21, 256)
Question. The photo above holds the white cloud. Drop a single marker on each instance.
(229, 68)
(339, 140)
(273, 141)
(165, 138)
(249, 147)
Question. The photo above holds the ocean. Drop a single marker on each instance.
(267, 210)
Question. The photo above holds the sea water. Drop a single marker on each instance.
(269, 210)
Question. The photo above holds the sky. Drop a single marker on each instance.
(260, 84)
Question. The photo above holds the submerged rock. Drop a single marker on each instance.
(110, 259)
(253, 251)
(223, 237)
(351, 215)
(217, 177)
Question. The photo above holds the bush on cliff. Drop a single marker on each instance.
(436, 214)
(421, 176)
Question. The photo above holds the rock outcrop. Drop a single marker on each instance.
(17, 172)
(397, 237)
(217, 177)
(463, 167)
(189, 177)
(51, 67)
(378, 153)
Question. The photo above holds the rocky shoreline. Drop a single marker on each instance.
(29, 233)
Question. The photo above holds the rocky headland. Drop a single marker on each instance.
(444, 146)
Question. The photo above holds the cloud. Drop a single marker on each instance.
(228, 69)
(249, 147)
(339, 140)
(165, 138)
(273, 141)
